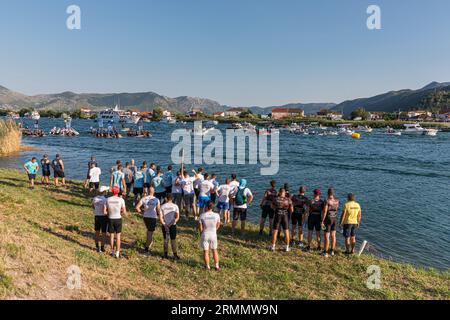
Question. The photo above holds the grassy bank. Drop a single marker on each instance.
(44, 231)
(10, 137)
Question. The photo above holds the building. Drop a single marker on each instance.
(418, 113)
(147, 114)
(335, 116)
(219, 114)
(86, 112)
(234, 112)
(376, 115)
(166, 113)
(193, 112)
(280, 113)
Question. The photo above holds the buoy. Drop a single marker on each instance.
(356, 135)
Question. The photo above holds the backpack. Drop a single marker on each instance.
(240, 198)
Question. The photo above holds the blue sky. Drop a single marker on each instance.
(238, 52)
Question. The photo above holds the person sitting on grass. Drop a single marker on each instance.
(101, 219)
(209, 223)
(350, 221)
(169, 216)
(31, 167)
(115, 207)
(152, 208)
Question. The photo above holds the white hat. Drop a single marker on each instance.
(104, 189)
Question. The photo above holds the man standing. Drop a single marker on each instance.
(94, 177)
(31, 167)
(188, 194)
(206, 187)
(115, 207)
(170, 214)
(167, 180)
(242, 198)
(266, 207)
(128, 173)
(300, 202)
(45, 165)
(315, 211)
(101, 219)
(350, 221)
(118, 180)
(59, 171)
(224, 200)
(208, 225)
(90, 162)
(152, 208)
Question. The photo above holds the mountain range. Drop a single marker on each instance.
(403, 100)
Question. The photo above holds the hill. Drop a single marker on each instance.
(310, 108)
(47, 230)
(394, 101)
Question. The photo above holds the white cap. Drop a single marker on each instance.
(104, 189)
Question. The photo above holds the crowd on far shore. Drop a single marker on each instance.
(162, 197)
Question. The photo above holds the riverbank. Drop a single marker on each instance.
(45, 231)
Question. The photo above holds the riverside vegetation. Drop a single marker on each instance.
(45, 231)
(10, 137)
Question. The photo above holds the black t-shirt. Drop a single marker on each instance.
(300, 202)
(56, 164)
(316, 206)
(282, 204)
(45, 165)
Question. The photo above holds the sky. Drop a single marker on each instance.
(237, 52)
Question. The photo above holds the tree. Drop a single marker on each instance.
(324, 112)
(157, 113)
(246, 114)
(360, 113)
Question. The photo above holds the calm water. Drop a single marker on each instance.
(402, 183)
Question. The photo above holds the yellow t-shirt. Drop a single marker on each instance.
(351, 209)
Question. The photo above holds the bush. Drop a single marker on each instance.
(10, 137)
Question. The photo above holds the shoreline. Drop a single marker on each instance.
(48, 229)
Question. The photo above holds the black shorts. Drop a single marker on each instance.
(115, 226)
(267, 211)
(213, 197)
(94, 185)
(281, 220)
(188, 200)
(138, 191)
(297, 218)
(168, 189)
(239, 214)
(314, 222)
(147, 185)
(59, 174)
(32, 176)
(330, 224)
(160, 195)
(150, 224)
(101, 223)
(128, 187)
(197, 193)
(350, 230)
(46, 173)
(172, 232)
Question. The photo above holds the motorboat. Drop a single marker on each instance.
(416, 129)
(344, 129)
(33, 115)
(212, 123)
(390, 131)
(168, 119)
(109, 115)
(365, 129)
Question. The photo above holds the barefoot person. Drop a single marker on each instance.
(59, 171)
(350, 221)
(266, 207)
(315, 210)
(115, 208)
(300, 203)
(170, 214)
(31, 167)
(329, 222)
(101, 219)
(282, 206)
(94, 177)
(209, 223)
(152, 208)
(242, 198)
(223, 204)
(45, 165)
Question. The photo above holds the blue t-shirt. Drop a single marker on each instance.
(32, 167)
(117, 179)
(157, 184)
(139, 178)
(149, 175)
(167, 179)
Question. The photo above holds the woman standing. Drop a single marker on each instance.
(329, 221)
(209, 223)
(283, 207)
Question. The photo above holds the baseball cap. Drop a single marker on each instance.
(104, 189)
(317, 191)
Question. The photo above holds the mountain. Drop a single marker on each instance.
(310, 108)
(402, 100)
(144, 101)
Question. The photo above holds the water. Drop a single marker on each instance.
(402, 183)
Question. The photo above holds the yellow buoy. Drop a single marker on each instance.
(356, 135)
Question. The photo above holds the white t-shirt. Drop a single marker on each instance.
(114, 205)
(209, 222)
(149, 203)
(198, 181)
(247, 194)
(205, 188)
(175, 188)
(99, 203)
(223, 192)
(187, 185)
(94, 174)
(169, 211)
(234, 185)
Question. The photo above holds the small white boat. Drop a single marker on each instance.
(168, 119)
(365, 129)
(431, 132)
(344, 129)
(109, 115)
(33, 115)
(211, 123)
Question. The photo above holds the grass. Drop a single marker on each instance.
(10, 137)
(44, 231)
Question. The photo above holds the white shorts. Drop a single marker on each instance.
(209, 242)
